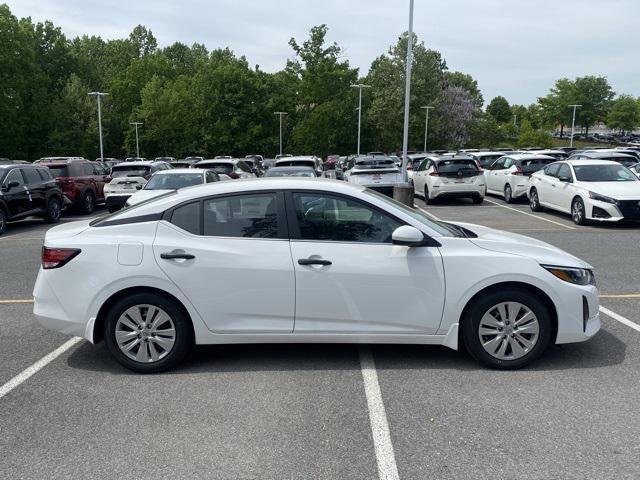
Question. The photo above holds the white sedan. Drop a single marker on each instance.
(254, 261)
(166, 181)
(589, 190)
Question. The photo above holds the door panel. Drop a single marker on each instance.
(17, 197)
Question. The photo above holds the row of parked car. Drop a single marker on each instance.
(591, 185)
(50, 185)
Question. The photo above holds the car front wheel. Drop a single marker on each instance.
(507, 329)
(147, 333)
(578, 212)
(3, 221)
(534, 201)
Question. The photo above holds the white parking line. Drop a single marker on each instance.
(530, 214)
(620, 318)
(387, 468)
(39, 365)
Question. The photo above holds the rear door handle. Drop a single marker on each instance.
(313, 261)
(177, 255)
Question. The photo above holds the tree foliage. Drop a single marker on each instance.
(624, 113)
(500, 109)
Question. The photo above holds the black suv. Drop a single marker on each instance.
(28, 190)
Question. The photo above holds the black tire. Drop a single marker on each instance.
(508, 194)
(475, 312)
(578, 212)
(478, 200)
(534, 201)
(53, 210)
(427, 200)
(183, 330)
(3, 221)
(87, 202)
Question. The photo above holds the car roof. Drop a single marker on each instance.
(529, 156)
(220, 160)
(299, 157)
(454, 157)
(607, 154)
(142, 163)
(292, 167)
(486, 153)
(590, 161)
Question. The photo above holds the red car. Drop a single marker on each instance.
(330, 163)
(82, 182)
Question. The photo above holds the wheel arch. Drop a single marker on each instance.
(98, 326)
(525, 287)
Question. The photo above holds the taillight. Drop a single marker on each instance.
(57, 257)
(409, 166)
(518, 171)
(434, 173)
(233, 175)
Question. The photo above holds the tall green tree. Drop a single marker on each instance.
(594, 94)
(624, 114)
(500, 109)
(555, 105)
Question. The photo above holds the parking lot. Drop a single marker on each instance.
(323, 411)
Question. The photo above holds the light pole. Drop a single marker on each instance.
(280, 114)
(137, 144)
(515, 120)
(573, 122)
(426, 125)
(407, 95)
(98, 95)
(359, 86)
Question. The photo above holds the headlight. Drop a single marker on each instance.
(602, 198)
(578, 276)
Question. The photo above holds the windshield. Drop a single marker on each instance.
(173, 181)
(290, 172)
(129, 171)
(603, 173)
(440, 227)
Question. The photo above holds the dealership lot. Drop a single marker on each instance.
(288, 411)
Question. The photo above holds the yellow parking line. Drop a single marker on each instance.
(620, 295)
(13, 302)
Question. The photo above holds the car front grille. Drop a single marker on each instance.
(630, 209)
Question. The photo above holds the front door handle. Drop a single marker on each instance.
(177, 255)
(313, 261)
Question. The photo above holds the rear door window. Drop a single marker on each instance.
(552, 170)
(244, 216)
(59, 170)
(31, 176)
(564, 171)
(44, 174)
(187, 217)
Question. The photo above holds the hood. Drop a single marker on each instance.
(142, 195)
(67, 230)
(617, 190)
(515, 244)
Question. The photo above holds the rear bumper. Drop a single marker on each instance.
(457, 194)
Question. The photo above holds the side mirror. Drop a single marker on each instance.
(565, 179)
(408, 236)
(138, 187)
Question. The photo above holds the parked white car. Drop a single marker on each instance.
(508, 176)
(234, 168)
(486, 158)
(378, 173)
(589, 190)
(255, 262)
(449, 177)
(126, 179)
(167, 181)
(635, 169)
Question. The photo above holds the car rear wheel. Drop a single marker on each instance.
(578, 212)
(534, 201)
(507, 329)
(88, 202)
(478, 200)
(508, 195)
(54, 210)
(147, 333)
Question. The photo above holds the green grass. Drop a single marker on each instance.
(580, 143)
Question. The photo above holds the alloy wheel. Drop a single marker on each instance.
(54, 210)
(3, 221)
(577, 211)
(507, 193)
(145, 333)
(534, 202)
(509, 330)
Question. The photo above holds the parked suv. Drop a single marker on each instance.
(127, 178)
(82, 181)
(28, 190)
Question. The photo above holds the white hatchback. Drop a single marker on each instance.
(254, 261)
(449, 177)
(509, 175)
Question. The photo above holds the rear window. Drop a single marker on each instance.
(224, 168)
(534, 164)
(374, 163)
(129, 171)
(456, 166)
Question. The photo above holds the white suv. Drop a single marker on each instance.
(449, 177)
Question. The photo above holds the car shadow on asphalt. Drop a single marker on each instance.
(604, 350)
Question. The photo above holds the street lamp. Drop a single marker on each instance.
(98, 95)
(573, 122)
(137, 144)
(407, 95)
(280, 114)
(426, 125)
(515, 120)
(359, 86)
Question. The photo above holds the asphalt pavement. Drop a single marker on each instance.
(304, 411)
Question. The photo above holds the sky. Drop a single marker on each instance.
(513, 48)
